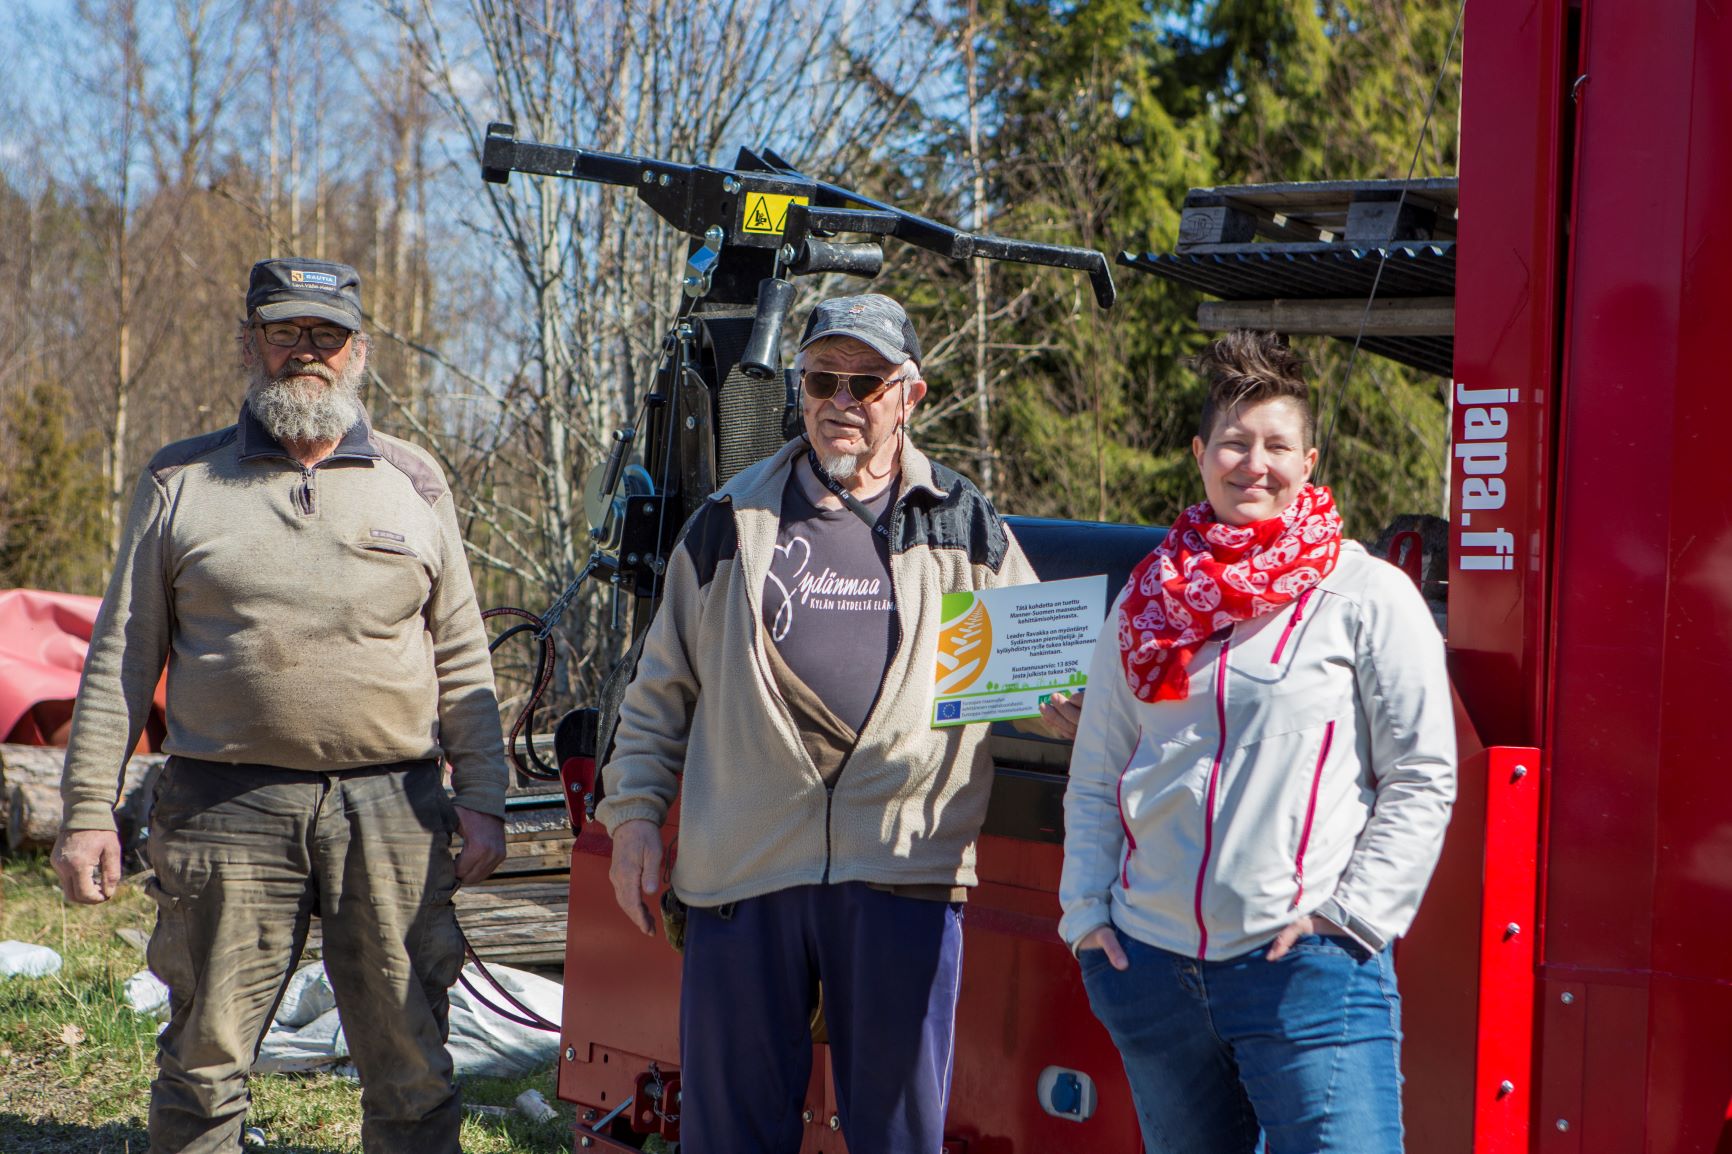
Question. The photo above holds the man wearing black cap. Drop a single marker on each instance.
(306, 575)
(827, 829)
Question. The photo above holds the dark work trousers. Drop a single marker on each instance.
(244, 855)
(889, 966)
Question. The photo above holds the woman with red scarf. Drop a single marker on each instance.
(1263, 768)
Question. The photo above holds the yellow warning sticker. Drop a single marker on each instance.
(767, 212)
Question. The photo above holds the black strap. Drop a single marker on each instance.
(855, 504)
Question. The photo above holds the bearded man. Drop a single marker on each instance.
(304, 578)
(827, 829)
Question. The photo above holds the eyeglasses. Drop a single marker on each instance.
(863, 387)
(287, 334)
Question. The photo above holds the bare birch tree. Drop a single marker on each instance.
(590, 276)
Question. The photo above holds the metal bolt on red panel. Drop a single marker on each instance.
(835, 1122)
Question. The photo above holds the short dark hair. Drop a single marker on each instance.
(1246, 367)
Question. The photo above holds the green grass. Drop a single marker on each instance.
(86, 1090)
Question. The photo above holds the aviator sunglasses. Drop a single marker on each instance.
(865, 388)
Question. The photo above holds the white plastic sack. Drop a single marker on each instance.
(317, 1045)
(146, 993)
(484, 1043)
(306, 997)
(23, 960)
(481, 1042)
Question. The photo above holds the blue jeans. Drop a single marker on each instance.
(1303, 1054)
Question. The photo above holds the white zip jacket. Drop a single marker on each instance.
(1310, 771)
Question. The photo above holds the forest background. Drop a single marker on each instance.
(152, 150)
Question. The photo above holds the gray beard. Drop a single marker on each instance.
(292, 410)
(840, 467)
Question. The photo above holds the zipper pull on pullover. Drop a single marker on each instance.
(307, 495)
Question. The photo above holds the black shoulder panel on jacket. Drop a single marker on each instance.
(964, 519)
(171, 458)
(711, 538)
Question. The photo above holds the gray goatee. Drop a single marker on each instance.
(840, 466)
(292, 408)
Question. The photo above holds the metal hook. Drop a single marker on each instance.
(701, 265)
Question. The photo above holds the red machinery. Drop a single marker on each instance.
(1565, 988)
(1590, 608)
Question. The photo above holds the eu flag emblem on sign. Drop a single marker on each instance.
(949, 710)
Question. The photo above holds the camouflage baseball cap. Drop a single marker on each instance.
(873, 319)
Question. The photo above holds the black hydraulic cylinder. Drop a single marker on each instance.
(863, 259)
(622, 439)
(762, 359)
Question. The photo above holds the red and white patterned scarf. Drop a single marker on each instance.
(1206, 575)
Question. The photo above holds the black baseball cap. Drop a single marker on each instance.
(293, 286)
(873, 319)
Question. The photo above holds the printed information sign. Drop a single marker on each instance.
(1002, 652)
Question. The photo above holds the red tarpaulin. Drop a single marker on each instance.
(43, 639)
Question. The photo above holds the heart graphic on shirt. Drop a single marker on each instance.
(784, 619)
(788, 552)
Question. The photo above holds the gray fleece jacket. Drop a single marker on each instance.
(312, 619)
(703, 717)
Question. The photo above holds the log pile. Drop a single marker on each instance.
(30, 794)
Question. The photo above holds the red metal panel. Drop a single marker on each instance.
(1593, 1080)
(1505, 360)
(1691, 1058)
(1563, 1039)
(1690, 1074)
(1437, 964)
(1503, 1090)
(1466, 969)
(1639, 850)
(1611, 549)
(622, 989)
(1022, 1008)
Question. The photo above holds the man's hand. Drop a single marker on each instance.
(483, 845)
(88, 862)
(1103, 938)
(1061, 714)
(1285, 939)
(636, 871)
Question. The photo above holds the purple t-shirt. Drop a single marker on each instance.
(827, 603)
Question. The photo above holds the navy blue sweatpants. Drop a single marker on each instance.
(890, 967)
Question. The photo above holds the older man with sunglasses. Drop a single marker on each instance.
(306, 576)
(827, 829)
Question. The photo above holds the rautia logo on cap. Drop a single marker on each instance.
(287, 287)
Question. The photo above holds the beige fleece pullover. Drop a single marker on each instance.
(312, 619)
